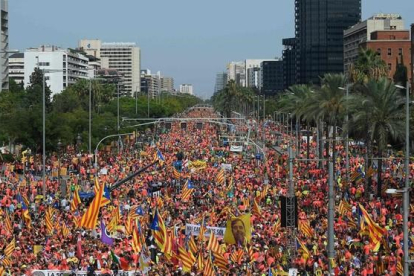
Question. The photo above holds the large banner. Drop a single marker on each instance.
(78, 273)
(236, 148)
(194, 230)
(238, 230)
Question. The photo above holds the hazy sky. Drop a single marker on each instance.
(189, 40)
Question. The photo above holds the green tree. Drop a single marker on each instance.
(368, 65)
(378, 112)
(328, 104)
(400, 76)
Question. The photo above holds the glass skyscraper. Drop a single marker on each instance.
(319, 36)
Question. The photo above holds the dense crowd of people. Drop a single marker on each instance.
(46, 229)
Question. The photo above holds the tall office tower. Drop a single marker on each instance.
(289, 62)
(319, 32)
(271, 73)
(221, 81)
(126, 59)
(4, 45)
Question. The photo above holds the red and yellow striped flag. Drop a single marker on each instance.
(49, 221)
(200, 263)
(115, 217)
(237, 256)
(221, 177)
(344, 208)
(304, 228)
(168, 243)
(176, 173)
(136, 241)
(187, 258)
(400, 267)
(10, 248)
(213, 243)
(220, 262)
(129, 226)
(375, 231)
(192, 245)
(208, 268)
(76, 201)
(65, 230)
(8, 225)
(250, 251)
(6, 262)
(90, 218)
(256, 209)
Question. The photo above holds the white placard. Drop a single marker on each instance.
(194, 230)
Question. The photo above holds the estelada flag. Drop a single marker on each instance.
(90, 218)
(238, 230)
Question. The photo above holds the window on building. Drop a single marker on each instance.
(389, 66)
(44, 64)
(379, 51)
(389, 51)
(400, 51)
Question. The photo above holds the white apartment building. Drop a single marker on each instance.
(361, 32)
(126, 59)
(236, 70)
(4, 45)
(123, 57)
(187, 89)
(16, 67)
(68, 66)
(151, 83)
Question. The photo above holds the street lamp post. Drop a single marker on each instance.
(44, 126)
(347, 135)
(78, 142)
(406, 200)
(59, 147)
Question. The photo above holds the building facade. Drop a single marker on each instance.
(187, 89)
(221, 81)
(16, 67)
(69, 66)
(252, 69)
(4, 45)
(167, 84)
(289, 62)
(361, 33)
(236, 71)
(126, 59)
(319, 26)
(123, 57)
(150, 83)
(271, 77)
(91, 47)
(392, 46)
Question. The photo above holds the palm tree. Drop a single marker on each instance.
(369, 65)
(297, 99)
(378, 112)
(328, 104)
